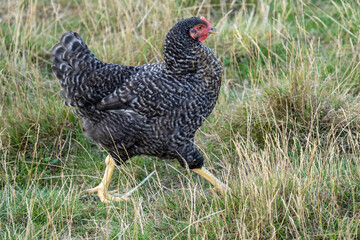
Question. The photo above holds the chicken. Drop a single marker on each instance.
(153, 109)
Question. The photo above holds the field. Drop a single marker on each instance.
(284, 134)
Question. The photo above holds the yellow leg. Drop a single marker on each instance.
(222, 187)
(102, 188)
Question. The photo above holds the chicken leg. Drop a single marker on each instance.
(102, 188)
(220, 186)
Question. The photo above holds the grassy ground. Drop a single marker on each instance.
(284, 135)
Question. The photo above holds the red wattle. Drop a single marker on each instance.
(203, 38)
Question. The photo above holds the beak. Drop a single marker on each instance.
(212, 30)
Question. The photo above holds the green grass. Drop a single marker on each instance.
(284, 135)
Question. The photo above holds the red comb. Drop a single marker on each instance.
(204, 19)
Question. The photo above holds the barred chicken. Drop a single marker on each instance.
(153, 109)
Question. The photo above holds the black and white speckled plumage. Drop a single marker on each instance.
(152, 109)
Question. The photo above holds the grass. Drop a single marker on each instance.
(284, 134)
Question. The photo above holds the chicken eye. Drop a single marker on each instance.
(200, 27)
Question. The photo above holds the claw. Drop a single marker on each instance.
(113, 191)
(106, 197)
(101, 189)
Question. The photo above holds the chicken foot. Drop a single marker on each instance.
(220, 186)
(102, 188)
